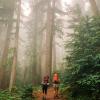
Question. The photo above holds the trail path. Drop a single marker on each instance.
(50, 95)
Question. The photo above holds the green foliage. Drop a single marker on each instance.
(83, 70)
(27, 92)
(6, 95)
(24, 93)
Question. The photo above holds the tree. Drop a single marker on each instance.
(94, 7)
(84, 58)
(14, 64)
(49, 35)
(9, 29)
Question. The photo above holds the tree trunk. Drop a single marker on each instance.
(54, 55)
(34, 68)
(13, 70)
(49, 36)
(94, 7)
(6, 47)
(39, 54)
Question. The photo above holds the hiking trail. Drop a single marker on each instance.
(50, 95)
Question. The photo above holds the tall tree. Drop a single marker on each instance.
(13, 70)
(35, 33)
(54, 55)
(10, 8)
(49, 36)
(94, 7)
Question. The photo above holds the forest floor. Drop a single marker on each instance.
(50, 95)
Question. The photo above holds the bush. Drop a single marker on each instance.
(6, 95)
(27, 93)
(84, 60)
(24, 93)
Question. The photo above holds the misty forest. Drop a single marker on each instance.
(43, 37)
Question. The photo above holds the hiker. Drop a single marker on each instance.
(45, 84)
(56, 84)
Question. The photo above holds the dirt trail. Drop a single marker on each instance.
(50, 95)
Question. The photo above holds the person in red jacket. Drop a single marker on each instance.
(56, 84)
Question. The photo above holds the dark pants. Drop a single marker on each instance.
(44, 88)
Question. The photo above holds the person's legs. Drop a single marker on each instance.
(57, 89)
(46, 88)
(43, 89)
(54, 86)
(44, 92)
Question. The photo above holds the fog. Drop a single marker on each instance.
(40, 37)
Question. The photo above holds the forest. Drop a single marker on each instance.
(43, 37)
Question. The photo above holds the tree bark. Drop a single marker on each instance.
(49, 36)
(6, 47)
(54, 55)
(13, 70)
(34, 68)
(94, 7)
